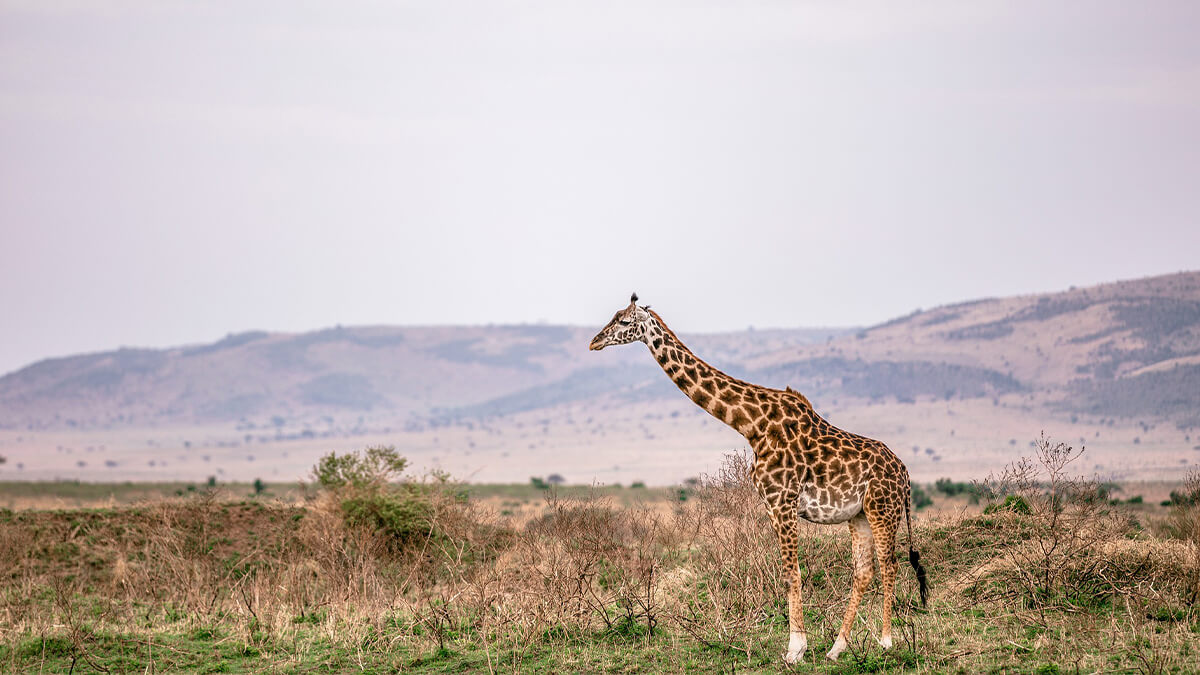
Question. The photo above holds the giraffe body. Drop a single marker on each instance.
(804, 467)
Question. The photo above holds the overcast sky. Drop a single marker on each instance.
(171, 172)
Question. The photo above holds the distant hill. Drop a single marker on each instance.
(341, 375)
(1124, 349)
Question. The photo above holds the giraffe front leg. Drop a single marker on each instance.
(861, 554)
(787, 529)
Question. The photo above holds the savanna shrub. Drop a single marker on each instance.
(1012, 503)
(367, 486)
(1061, 524)
(920, 497)
(402, 513)
(952, 488)
(374, 467)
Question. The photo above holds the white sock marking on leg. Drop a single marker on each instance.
(797, 643)
(839, 646)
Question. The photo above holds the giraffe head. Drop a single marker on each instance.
(627, 325)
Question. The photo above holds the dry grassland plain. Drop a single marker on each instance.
(364, 573)
(657, 442)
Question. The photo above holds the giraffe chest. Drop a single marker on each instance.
(828, 506)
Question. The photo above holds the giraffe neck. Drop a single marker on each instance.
(709, 388)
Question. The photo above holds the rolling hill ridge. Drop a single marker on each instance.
(956, 390)
(1123, 349)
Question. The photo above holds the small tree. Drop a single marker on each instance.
(366, 486)
(374, 467)
(555, 479)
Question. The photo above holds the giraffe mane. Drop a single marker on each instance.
(796, 394)
(804, 402)
(663, 324)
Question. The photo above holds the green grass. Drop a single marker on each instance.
(198, 651)
(75, 494)
(304, 650)
(1009, 648)
(79, 493)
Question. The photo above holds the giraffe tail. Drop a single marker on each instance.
(914, 556)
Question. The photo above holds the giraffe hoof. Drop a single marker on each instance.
(886, 642)
(796, 646)
(839, 646)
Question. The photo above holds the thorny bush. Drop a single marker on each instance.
(1061, 543)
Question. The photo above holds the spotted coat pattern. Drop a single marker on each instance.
(804, 467)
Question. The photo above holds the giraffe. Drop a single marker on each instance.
(804, 467)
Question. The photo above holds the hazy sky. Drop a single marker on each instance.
(171, 172)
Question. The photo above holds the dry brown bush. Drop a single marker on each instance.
(1183, 523)
(1052, 525)
(1094, 573)
(599, 563)
(730, 584)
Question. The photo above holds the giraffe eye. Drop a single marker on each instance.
(624, 322)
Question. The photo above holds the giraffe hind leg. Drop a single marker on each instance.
(862, 558)
(885, 549)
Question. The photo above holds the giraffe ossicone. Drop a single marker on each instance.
(804, 467)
